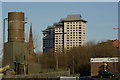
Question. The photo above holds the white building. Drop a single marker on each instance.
(66, 34)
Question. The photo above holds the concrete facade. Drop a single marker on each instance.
(14, 53)
(66, 34)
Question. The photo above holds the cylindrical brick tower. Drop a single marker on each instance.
(15, 27)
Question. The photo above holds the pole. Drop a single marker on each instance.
(73, 65)
(4, 29)
(38, 58)
(24, 64)
(56, 61)
(4, 35)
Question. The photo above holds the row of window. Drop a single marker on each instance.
(70, 46)
(73, 37)
(73, 22)
(59, 43)
(73, 30)
(58, 28)
(74, 42)
(58, 31)
(73, 27)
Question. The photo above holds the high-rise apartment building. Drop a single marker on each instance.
(66, 34)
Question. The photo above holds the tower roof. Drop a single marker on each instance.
(31, 46)
(73, 18)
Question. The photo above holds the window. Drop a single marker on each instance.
(79, 27)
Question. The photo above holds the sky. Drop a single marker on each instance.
(102, 17)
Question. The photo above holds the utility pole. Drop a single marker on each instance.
(24, 64)
(73, 65)
(4, 33)
(56, 61)
(38, 57)
(118, 49)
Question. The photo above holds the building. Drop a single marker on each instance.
(18, 54)
(116, 43)
(97, 64)
(63, 35)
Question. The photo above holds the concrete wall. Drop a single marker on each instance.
(41, 75)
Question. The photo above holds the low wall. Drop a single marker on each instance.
(41, 75)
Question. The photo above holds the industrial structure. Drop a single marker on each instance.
(66, 34)
(17, 52)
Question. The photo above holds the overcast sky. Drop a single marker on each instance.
(102, 17)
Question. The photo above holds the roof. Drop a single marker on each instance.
(110, 59)
(73, 18)
(58, 24)
(69, 18)
(116, 43)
